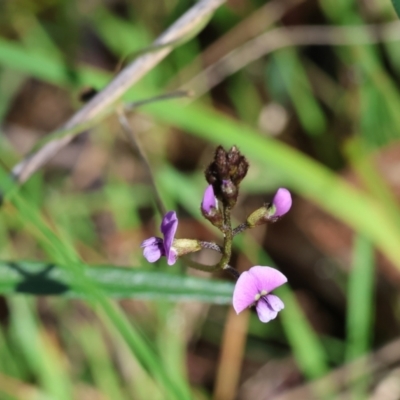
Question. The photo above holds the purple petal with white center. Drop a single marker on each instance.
(244, 294)
(153, 249)
(282, 202)
(168, 227)
(266, 278)
(264, 311)
(209, 200)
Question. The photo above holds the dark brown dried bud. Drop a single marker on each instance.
(241, 171)
(225, 174)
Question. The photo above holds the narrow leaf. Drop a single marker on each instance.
(41, 278)
(396, 5)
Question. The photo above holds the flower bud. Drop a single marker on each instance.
(209, 207)
(281, 204)
(209, 203)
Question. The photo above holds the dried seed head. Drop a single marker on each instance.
(225, 174)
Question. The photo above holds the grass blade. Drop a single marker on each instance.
(360, 307)
(396, 5)
(63, 252)
(46, 278)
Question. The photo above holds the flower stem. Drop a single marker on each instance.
(240, 228)
(227, 247)
(211, 246)
(233, 271)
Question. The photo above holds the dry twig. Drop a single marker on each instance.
(254, 25)
(290, 36)
(131, 74)
(348, 374)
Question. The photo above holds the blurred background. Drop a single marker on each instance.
(309, 92)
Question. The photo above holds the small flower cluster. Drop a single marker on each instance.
(254, 286)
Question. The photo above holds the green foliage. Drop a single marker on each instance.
(356, 97)
(396, 5)
(39, 278)
(361, 307)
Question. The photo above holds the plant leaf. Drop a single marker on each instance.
(41, 278)
(396, 5)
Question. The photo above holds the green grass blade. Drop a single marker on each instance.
(360, 307)
(63, 253)
(10, 82)
(120, 36)
(396, 5)
(35, 64)
(100, 363)
(9, 360)
(41, 358)
(298, 87)
(172, 343)
(47, 278)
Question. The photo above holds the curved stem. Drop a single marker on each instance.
(232, 271)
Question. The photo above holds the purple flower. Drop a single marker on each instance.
(254, 287)
(209, 202)
(156, 247)
(282, 202)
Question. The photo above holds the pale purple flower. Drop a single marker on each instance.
(282, 202)
(209, 200)
(254, 287)
(155, 247)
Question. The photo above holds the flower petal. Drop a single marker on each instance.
(245, 292)
(264, 311)
(153, 249)
(209, 200)
(172, 256)
(274, 302)
(282, 202)
(168, 227)
(267, 278)
(151, 241)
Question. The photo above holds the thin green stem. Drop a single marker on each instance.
(228, 237)
(130, 134)
(240, 228)
(167, 96)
